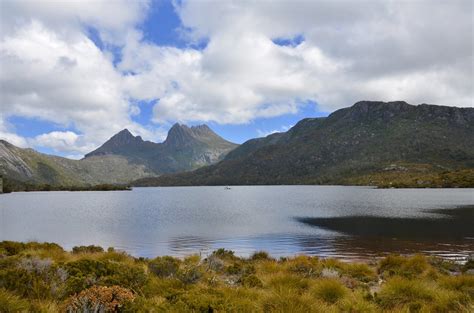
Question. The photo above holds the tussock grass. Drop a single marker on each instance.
(37, 277)
(399, 291)
(11, 303)
(410, 267)
(461, 283)
(329, 290)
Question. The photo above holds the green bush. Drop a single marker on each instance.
(85, 273)
(10, 248)
(190, 274)
(164, 266)
(260, 255)
(87, 249)
(34, 278)
(224, 254)
(234, 269)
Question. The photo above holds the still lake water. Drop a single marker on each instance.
(283, 220)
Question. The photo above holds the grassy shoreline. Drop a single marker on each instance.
(43, 277)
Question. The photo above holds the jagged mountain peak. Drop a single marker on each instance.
(125, 136)
(178, 134)
(181, 134)
(185, 148)
(120, 140)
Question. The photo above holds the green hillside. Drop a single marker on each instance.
(351, 146)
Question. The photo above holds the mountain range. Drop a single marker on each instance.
(391, 144)
(370, 143)
(119, 160)
(184, 149)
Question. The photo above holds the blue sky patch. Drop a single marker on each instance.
(292, 42)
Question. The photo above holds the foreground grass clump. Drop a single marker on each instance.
(42, 277)
(329, 290)
(99, 299)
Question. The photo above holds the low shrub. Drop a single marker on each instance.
(234, 269)
(99, 299)
(164, 266)
(214, 263)
(190, 273)
(224, 254)
(85, 273)
(87, 249)
(10, 248)
(260, 255)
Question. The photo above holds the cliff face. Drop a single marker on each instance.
(352, 142)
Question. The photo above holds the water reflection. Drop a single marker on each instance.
(444, 232)
(449, 224)
(342, 247)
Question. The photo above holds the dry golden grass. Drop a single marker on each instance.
(44, 278)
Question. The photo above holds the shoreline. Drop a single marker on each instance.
(44, 277)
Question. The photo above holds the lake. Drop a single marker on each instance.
(328, 221)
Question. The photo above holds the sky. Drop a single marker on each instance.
(73, 73)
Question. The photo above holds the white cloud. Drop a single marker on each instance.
(10, 136)
(59, 141)
(395, 50)
(265, 133)
(50, 70)
(418, 51)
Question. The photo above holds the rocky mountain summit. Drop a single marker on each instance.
(185, 148)
(121, 159)
(119, 143)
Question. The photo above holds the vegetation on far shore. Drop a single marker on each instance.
(395, 175)
(10, 185)
(42, 277)
(419, 176)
